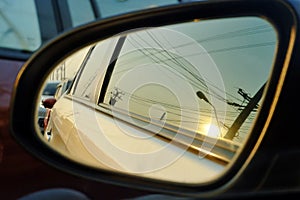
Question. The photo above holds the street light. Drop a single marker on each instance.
(202, 96)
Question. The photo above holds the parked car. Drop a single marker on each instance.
(49, 89)
(48, 92)
(151, 81)
(47, 102)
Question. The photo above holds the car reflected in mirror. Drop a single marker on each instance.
(152, 101)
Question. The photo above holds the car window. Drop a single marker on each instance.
(81, 12)
(91, 68)
(41, 21)
(85, 11)
(50, 89)
(58, 91)
(15, 33)
(109, 8)
(62, 87)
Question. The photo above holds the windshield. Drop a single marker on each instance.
(50, 89)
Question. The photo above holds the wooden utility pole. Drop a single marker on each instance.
(244, 114)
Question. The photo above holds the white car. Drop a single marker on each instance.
(161, 96)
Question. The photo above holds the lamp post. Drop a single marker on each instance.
(202, 96)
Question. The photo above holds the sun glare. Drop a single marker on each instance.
(212, 130)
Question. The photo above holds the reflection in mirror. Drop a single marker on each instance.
(174, 103)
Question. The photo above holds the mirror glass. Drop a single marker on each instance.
(174, 103)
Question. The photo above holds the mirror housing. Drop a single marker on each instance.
(49, 102)
(280, 13)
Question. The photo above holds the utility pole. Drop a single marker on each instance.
(244, 114)
(244, 94)
(246, 98)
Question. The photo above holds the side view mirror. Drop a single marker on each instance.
(177, 99)
(49, 102)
